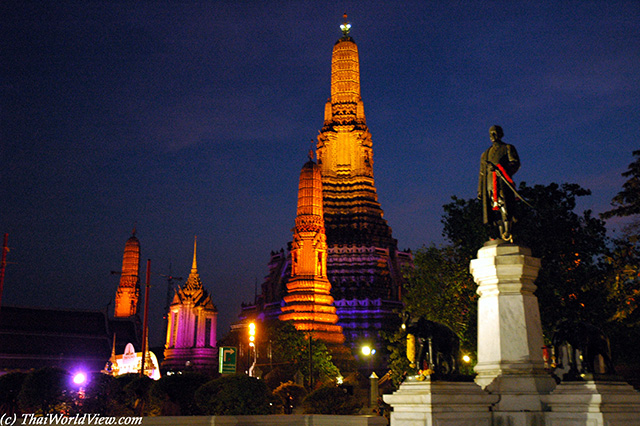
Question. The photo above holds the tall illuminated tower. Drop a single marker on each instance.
(364, 264)
(309, 304)
(128, 291)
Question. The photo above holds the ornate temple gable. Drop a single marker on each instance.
(193, 281)
(193, 293)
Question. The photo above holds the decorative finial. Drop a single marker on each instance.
(346, 26)
(194, 266)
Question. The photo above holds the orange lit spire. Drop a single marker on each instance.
(352, 212)
(128, 291)
(308, 303)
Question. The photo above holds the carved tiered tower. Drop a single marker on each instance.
(128, 291)
(191, 333)
(309, 304)
(364, 264)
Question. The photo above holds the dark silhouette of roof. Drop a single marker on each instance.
(37, 337)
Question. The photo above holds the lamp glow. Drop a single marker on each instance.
(79, 378)
(366, 350)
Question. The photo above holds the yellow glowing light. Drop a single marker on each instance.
(252, 333)
(366, 350)
(466, 358)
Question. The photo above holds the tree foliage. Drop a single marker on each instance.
(234, 395)
(625, 277)
(291, 395)
(99, 395)
(45, 391)
(290, 349)
(625, 258)
(572, 280)
(627, 202)
(10, 385)
(441, 289)
(177, 391)
(331, 400)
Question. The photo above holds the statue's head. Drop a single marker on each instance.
(496, 133)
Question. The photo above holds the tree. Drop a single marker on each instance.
(625, 259)
(10, 385)
(234, 395)
(625, 265)
(174, 394)
(290, 348)
(441, 289)
(45, 391)
(572, 280)
(291, 395)
(331, 400)
(572, 247)
(627, 202)
(99, 395)
(625, 277)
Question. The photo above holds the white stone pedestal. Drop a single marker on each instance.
(510, 340)
(593, 403)
(440, 403)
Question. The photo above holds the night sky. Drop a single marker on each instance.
(194, 118)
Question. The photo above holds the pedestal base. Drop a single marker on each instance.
(440, 403)
(593, 403)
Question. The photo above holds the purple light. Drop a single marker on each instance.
(79, 378)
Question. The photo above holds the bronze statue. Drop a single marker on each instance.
(438, 347)
(496, 188)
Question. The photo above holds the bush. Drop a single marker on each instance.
(45, 391)
(99, 395)
(234, 395)
(174, 395)
(10, 385)
(291, 395)
(132, 395)
(331, 400)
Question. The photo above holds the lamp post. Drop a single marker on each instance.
(368, 352)
(252, 345)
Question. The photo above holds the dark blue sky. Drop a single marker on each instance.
(195, 118)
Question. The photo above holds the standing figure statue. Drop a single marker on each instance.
(496, 188)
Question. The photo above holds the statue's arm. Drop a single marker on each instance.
(514, 159)
(481, 175)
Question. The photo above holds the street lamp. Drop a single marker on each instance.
(369, 352)
(252, 344)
